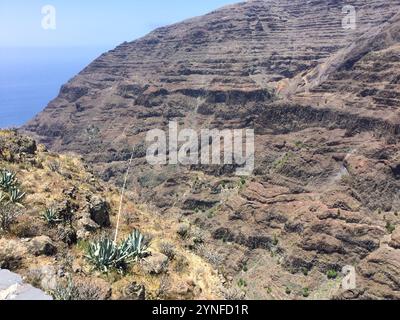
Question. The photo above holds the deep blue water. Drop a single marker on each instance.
(31, 77)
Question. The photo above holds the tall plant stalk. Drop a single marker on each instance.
(122, 197)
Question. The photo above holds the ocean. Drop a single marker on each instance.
(31, 77)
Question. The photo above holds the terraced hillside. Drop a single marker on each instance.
(324, 103)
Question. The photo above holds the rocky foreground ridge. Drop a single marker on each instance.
(49, 251)
(324, 102)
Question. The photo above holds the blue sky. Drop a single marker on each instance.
(98, 23)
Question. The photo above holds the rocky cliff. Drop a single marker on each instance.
(324, 101)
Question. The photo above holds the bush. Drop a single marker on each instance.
(242, 283)
(168, 249)
(8, 215)
(70, 291)
(390, 227)
(306, 292)
(183, 230)
(332, 274)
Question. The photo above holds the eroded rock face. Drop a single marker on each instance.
(324, 103)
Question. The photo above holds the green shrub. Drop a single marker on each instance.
(306, 292)
(390, 227)
(332, 274)
(242, 283)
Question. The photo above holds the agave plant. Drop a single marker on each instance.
(103, 255)
(50, 216)
(134, 247)
(16, 196)
(8, 180)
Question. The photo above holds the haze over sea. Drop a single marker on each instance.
(31, 77)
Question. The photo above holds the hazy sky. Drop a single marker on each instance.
(93, 22)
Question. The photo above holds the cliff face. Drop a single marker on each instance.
(324, 102)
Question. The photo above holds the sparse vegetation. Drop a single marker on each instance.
(280, 163)
(306, 292)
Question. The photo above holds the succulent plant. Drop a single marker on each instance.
(134, 247)
(103, 254)
(16, 196)
(8, 180)
(50, 216)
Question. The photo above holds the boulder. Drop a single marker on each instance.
(155, 264)
(42, 245)
(88, 224)
(46, 276)
(99, 210)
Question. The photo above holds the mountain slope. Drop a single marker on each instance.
(323, 101)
